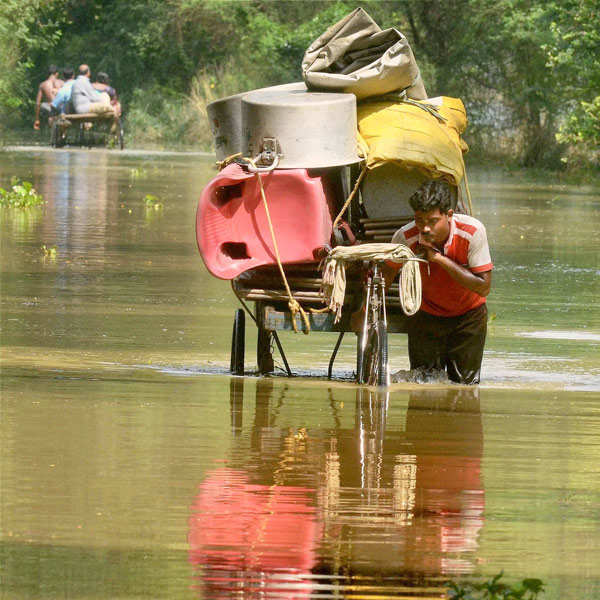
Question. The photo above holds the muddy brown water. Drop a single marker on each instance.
(133, 466)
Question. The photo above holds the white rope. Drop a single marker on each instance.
(334, 273)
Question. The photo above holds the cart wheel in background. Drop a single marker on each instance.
(264, 357)
(375, 361)
(54, 134)
(238, 343)
(118, 138)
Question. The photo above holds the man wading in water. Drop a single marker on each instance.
(449, 330)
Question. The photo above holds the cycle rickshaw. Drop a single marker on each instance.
(266, 222)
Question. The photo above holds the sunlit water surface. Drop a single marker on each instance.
(133, 466)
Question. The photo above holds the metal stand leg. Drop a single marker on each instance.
(335, 351)
(283, 357)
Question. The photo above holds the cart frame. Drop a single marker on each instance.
(62, 123)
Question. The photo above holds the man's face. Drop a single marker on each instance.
(433, 225)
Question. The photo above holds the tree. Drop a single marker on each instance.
(573, 54)
(27, 28)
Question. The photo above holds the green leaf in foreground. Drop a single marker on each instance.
(494, 589)
(21, 194)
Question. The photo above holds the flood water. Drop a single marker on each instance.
(134, 466)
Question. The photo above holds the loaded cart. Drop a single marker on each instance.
(311, 188)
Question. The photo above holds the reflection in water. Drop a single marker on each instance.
(370, 507)
(100, 457)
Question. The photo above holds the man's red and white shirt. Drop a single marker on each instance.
(466, 245)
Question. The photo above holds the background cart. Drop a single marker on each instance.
(87, 129)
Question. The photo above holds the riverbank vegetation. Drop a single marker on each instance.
(527, 70)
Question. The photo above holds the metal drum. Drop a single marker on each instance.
(304, 129)
(225, 119)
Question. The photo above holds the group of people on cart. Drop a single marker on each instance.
(75, 93)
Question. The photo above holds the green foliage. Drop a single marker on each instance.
(530, 82)
(494, 589)
(573, 55)
(28, 28)
(21, 195)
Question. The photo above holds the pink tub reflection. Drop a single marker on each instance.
(244, 535)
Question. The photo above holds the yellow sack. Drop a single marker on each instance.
(421, 134)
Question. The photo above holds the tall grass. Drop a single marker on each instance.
(158, 117)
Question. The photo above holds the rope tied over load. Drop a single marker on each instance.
(293, 304)
(334, 273)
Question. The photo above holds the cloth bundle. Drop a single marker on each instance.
(356, 56)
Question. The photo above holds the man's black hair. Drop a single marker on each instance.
(102, 77)
(68, 72)
(83, 70)
(434, 194)
(52, 69)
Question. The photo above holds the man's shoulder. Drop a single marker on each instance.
(467, 225)
(406, 233)
(468, 220)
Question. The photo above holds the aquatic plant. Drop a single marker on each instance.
(152, 201)
(137, 172)
(22, 194)
(49, 252)
(494, 589)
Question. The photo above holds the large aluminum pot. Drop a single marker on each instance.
(225, 119)
(304, 129)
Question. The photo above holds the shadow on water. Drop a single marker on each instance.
(367, 509)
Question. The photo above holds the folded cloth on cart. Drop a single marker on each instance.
(333, 287)
(356, 56)
(423, 135)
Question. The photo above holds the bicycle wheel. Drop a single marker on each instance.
(375, 369)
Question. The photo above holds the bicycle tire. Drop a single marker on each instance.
(376, 367)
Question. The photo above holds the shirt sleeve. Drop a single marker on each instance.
(478, 256)
(399, 237)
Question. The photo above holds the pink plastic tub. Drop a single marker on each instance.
(231, 224)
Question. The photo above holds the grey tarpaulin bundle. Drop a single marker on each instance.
(356, 56)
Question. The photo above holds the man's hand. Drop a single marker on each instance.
(36, 124)
(428, 248)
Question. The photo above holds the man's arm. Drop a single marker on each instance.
(480, 283)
